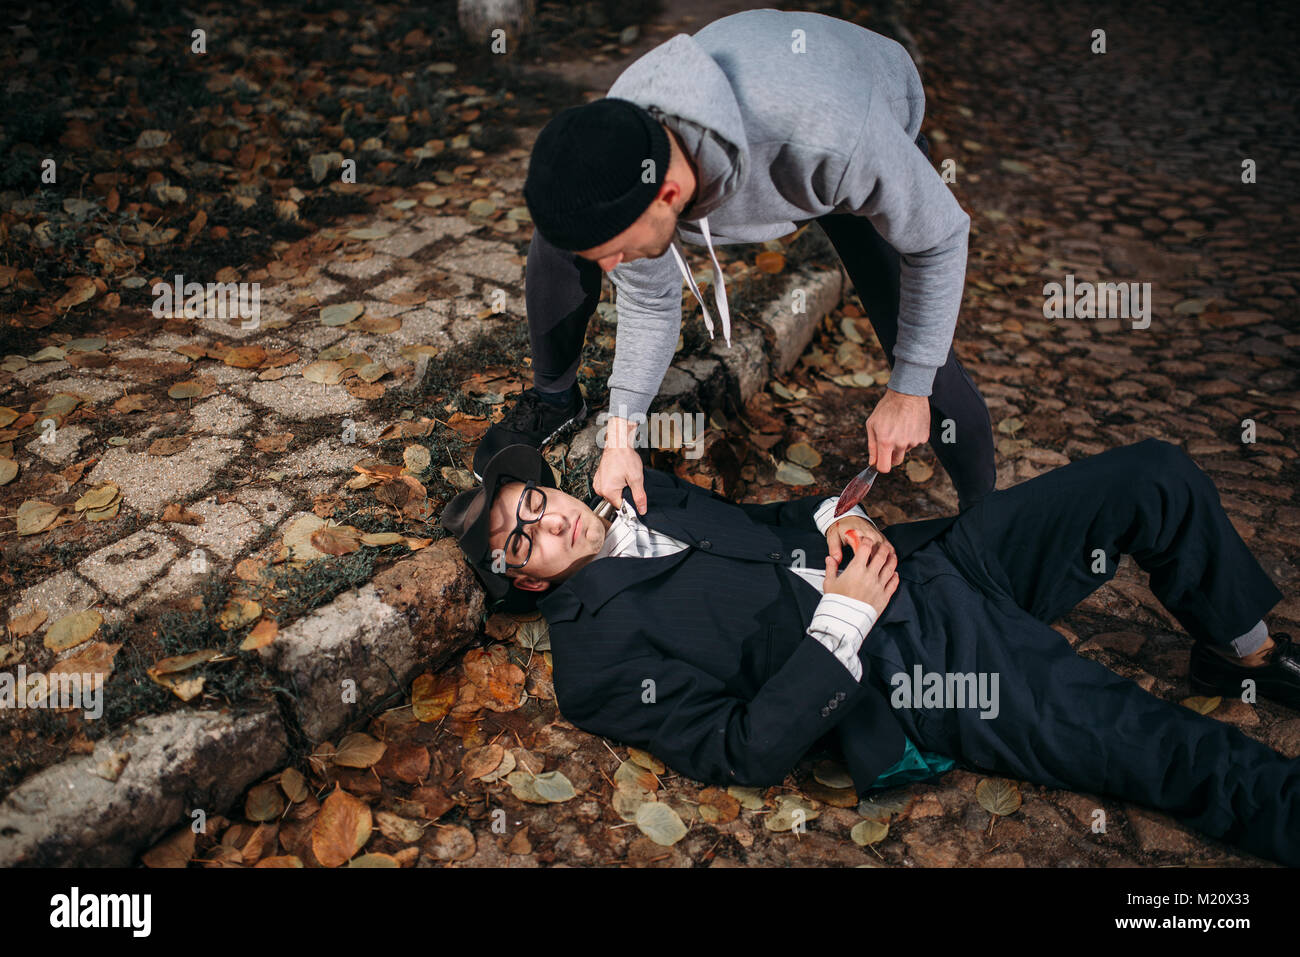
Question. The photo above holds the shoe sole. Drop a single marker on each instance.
(1208, 690)
(573, 423)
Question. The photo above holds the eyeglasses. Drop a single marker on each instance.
(531, 508)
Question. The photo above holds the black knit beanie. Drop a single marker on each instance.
(587, 176)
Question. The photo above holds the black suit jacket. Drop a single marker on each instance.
(701, 657)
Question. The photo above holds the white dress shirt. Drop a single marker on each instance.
(839, 623)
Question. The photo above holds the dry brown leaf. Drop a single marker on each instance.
(480, 761)
(80, 289)
(250, 569)
(274, 443)
(186, 390)
(340, 830)
(101, 496)
(20, 626)
(432, 696)
(95, 659)
(170, 445)
(73, 629)
(366, 391)
(175, 512)
(359, 750)
(237, 613)
(245, 357)
(337, 539)
(35, 516)
(178, 663)
(263, 634)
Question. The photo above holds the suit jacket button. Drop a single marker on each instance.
(775, 556)
(833, 703)
(841, 696)
(706, 544)
(826, 712)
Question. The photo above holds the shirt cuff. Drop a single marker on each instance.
(824, 516)
(841, 624)
(911, 378)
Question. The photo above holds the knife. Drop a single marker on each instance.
(856, 490)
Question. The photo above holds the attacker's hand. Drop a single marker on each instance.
(620, 466)
(898, 424)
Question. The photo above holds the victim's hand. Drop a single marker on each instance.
(871, 577)
(849, 527)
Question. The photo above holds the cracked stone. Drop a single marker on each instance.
(92, 387)
(296, 398)
(123, 568)
(496, 262)
(439, 227)
(149, 482)
(226, 529)
(64, 447)
(329, 455)
(404, 243)
(60, 595)
(221, 415)
(361, 269)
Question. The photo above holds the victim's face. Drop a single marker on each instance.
(567, 536)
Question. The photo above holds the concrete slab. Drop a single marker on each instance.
(362, 268)
(226, 531)
(295, 398)
(122, 569)
(149, 482)
(63, 449)
(495, 262)
(60, 595)
(221, 415)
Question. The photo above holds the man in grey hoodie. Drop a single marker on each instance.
(757, 123)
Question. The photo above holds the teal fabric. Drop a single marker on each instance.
(914, 765)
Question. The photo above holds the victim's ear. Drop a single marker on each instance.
(527, 583)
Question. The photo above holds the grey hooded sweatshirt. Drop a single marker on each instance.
(790, 116)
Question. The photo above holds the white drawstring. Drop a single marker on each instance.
(719, 287)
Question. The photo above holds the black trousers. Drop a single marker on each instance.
(561, 291)
(1024, 556)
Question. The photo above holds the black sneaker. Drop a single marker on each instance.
(532, 421)
(1278, 679)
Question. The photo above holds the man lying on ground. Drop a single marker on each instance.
(728, 639)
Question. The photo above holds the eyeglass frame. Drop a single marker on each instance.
(521, 524)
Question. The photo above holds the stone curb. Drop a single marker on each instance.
(368, 642)
(101, 809)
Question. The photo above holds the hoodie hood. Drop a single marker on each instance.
(684, 87)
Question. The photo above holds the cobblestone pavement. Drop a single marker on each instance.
(1123, 167)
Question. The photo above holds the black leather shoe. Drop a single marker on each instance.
(1278, 679)
(532, 421)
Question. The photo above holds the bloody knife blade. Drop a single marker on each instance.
(856, 490)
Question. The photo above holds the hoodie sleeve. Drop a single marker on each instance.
(649, 311)
(891, 182)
